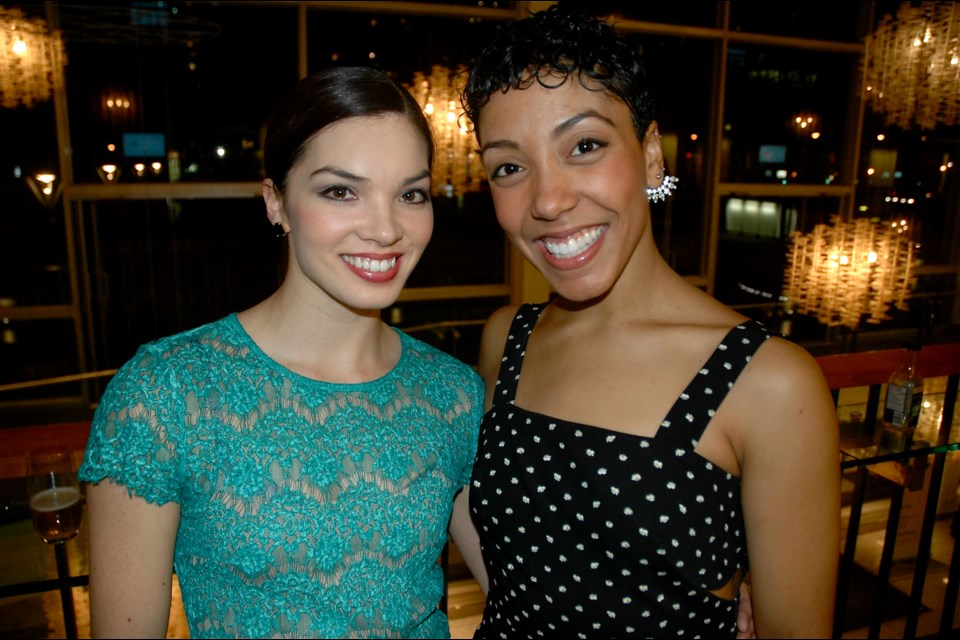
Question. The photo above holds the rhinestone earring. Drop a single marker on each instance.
(667, 186)
(280, 232)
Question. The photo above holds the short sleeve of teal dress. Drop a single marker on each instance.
(307, 508)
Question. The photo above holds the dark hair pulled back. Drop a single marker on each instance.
(326, 97)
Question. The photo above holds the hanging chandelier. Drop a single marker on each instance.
(912, 74)
(850, 270)
(456, 168)
(31, 59)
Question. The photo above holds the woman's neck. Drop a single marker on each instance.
(327, 342)
(646, 288)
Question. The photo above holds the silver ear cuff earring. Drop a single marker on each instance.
(667, 186)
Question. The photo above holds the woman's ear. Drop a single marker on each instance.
(654, 156)
(274, 201)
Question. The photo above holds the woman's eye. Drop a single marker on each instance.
(337, 192)
(586, 146)
(504, 170)
(415, 196)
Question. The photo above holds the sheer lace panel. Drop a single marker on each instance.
(307, 508)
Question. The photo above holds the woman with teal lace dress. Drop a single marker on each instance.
(295, 462)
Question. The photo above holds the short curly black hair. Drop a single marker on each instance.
(559, 41)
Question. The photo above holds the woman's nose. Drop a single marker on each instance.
(553, 193)
(382, 224)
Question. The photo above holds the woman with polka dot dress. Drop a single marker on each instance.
(644, 447)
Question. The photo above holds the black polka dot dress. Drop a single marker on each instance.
(591, 533)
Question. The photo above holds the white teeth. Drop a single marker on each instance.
(376, 266)
(575, 244)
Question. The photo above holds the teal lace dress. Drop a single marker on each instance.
(308, 509)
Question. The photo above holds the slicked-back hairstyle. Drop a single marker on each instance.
(326, 97)
(549, 48)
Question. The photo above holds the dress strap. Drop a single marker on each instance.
(692, 412)
(513, 351)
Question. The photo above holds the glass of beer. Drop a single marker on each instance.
(54, 493)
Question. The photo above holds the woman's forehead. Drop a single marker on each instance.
(541, 105)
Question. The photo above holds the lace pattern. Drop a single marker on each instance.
(307, 508)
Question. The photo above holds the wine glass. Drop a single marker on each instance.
(56, 511)
(54, 494)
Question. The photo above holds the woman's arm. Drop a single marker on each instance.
(791, 492)
(462, 531)
(491, 349)
(465, 536)
(745, 628)
(131, 563)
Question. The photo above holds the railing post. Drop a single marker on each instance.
(930, 512)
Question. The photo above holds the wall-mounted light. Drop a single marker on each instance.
(109, 173)
(117, 108)
(46, 188)
(117, 102)
(806, 124)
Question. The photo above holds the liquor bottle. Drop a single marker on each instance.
(901, 407)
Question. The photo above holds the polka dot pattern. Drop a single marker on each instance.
(588, 532)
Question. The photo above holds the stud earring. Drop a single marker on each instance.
(667, 186)
(280, 232)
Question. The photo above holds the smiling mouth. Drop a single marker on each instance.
(575, 244)
(374, 266)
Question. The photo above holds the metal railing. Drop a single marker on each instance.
(872, 369)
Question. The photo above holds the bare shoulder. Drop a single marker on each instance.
(497, 326)
(491, 344)
(782, 367)
(783, 395)
(499, 322)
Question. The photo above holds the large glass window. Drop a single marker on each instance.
(754, 235)
(467, 247)
(698, 14)
(798, 19)
(174, 92)
(35, 349)
(455, 326)
(786, 115)
(33, 265)
(158, 267)
(912, 178)
(683, 118)
(399, 44)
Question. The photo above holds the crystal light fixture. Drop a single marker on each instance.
(31, 59)
(850, 270)
(456, 168)
(912, 74)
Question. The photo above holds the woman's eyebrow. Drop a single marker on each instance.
(499, 144)
(340, 173)
(349, 175)
(558, 131)
(416, 178)
(573, 121)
